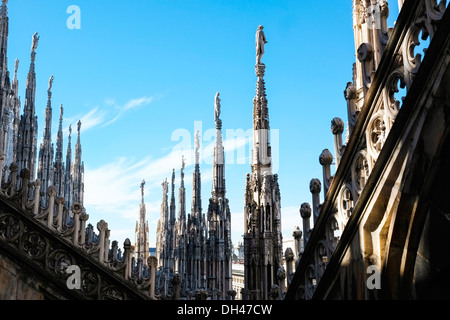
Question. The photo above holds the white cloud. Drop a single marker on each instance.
(131, 104)
(105, 116)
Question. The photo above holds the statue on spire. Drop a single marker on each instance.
(142, 188)
(197, 148)
(34, 44)
(16, 66)
(217, 106)
(50, 83)
(260, 41)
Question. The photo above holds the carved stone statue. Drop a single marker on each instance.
(217, 106)
(50, 83)
(260, 41)
(16, 66)
(142, 188)
(34, 44)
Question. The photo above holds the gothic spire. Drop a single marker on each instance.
(182, 194)
(78, 170)
(67, 173)
(172, 200)
(261, 157)
(4, 26)
(142, 210)
(219, 157)
(45, 164)
(27, 144)
(58, 165)
(262, 214)
(196, 186)
(142, 245)
(59, 138)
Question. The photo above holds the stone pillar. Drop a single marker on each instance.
(305, 213)
(2, 157)
(76, 210)
(314, 187)
(106, 252)
(337, 128)
(83, 217)
(152, 262)
(326, 159)
(281, 276)
(51, 206)
(13, 168)
(297, 234)
(37, 191)
(102, 226)
(127, 258)
(289, 256)
(60, 202)
(352, 112)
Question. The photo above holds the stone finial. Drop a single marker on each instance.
(77, 208)
(326, 158)
(305, 210)
(102, 225)
(24, 173)
(51, 191)
(337, 125)
(315, 185)
(350, 91)
(152, 261)
(297, 233)
(60, 200)
(289, 254)
(84, 216)
(127, 244)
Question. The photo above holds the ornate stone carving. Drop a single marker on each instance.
(10, 227)
(34, 244)
(305, 210)
(58, 261)
(315, 186)
(326, 158)
(376, 132)
(337, 125)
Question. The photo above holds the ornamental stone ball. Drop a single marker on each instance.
(289, 254)
(281, 273)
(297, 233)
(127, 243)
(315, 185)
(326, 158)
(176, 279)
(337, 125)
(305, 210)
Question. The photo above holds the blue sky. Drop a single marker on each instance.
(142, 76)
